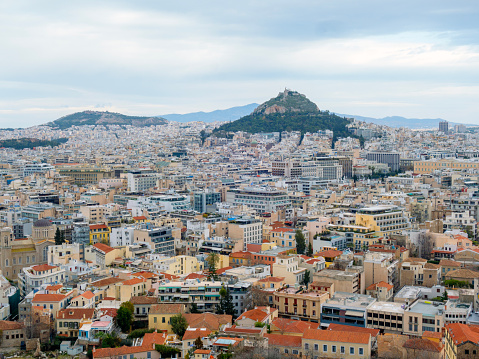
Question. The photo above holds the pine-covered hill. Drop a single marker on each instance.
(104, 118)
(21, 143)
(289, 111)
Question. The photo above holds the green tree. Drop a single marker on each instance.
(179, 324)
(59, 237)
(108, 340)
(300, 242)
(194, 308)
(306, 278)
(226, 302)
(166, 351)
(309, 252)
(445, 296)
(198, 343)
(124, 316)
(212, 263)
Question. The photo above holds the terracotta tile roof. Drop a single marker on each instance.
(449, 263)
(86, 295)
(282, 229)
(148, 344)
(284, 340)
(337, 336)
(48, 297)
(133, 281)
(321, 284)
(103, 247)
(165, 308)
(42, 267)
(143, 299)
(286, 325)
(108, 311)
(54, 287)
(202, 351)
(195, 276)
(139, 218)
(422, 344)
(9, 325)
(222, 270)
(381, 284)
(145, 274)
(210, 321)
(429, 334)
(238, 330)
(194, 333)
(463, 273)
(75, 313)
(415, 260)
(329, 253)
(107, 281)
(98, 226)
(169, 276)
(432, 266)
(461, 333)
(348, 328)
(258, 315)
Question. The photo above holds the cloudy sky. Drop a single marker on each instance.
(370, 58)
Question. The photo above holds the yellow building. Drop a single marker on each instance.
(461, 341)
(425, 167)
(303, 304)
(130, 288)
(100, 233)
(180, 265)
(384, 220)
(160, 315)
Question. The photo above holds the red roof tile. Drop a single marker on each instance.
(337, 336)
(39, 297)
(42, 267)
(284, 340)
(103, 247)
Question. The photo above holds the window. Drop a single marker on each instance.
(361, 351)
(333, 348)
(351, 350)
(163, 319)
(286, 351)
(316, 346)
(154, 320)
(295, 352)
(306, 346)
(325, 348)
(343, 350)
(466, 351)
(148, 355)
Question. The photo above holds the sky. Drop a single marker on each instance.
(380, 58)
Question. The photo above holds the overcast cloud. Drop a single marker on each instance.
(370, 58)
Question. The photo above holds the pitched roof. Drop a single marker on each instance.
(337, 336)
(9, 325)
(103, 247)
(207, 320)
(133, 281)
(449, 263)
(329, 253)
(40, 297)
(257, 314)
(87, 295)
(432, 266)
(463, 273)
(422, 344)
(284, 340)
(381, 284)
(98, 226)
(348, 328)
(42, 267)
(54, 287)
(415, 260)
(271, 279)
(293, 326)
(461, 333)
(107, 281)
(75, 313)
(143, 299)
(167, 308)
(148, 344)
(195, 276)
(194, 333)
(429, 334)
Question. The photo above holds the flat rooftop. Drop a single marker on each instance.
(409, 292)
(388, 307)
(335, 274)
(359, 301)
(426, 308)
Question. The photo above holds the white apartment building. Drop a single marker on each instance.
(122, 236)
(261, 199)
(140, 182)
(32, 168)
(35, 276)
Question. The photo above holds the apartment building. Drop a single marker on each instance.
(422, 316)
(383, 219)
(346, 308)
(260, 199)
(416, 271)
(386, 316)
(299, 303)
(139, 181)
(389, 158)
(343, 281)
(159, 239)
(33, 277)
(205, 198)
(381, 267)
(206, 295)
(288, 267)
(248, 230)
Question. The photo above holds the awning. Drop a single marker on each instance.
(353, 313)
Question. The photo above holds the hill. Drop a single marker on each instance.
(289, 111)
(21, 143)
(398, 121)
(229, 114)
(104, 118)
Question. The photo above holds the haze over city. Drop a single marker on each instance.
(369, 58)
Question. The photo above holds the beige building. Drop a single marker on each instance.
(343, 281)
(319, 343)
(380, 267)
(68, 321)
(160, 315)
(179, 265)
(382, 291)
(424, 167)
(300, 303)
(288, 267)
(247, 230)
(416, 271)
(423, 316)
(64, 253)
(131, 287)
(12, 334)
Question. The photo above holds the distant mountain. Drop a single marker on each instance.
(229, 114)
(398, 121)
(289, 111)
(104, 118)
